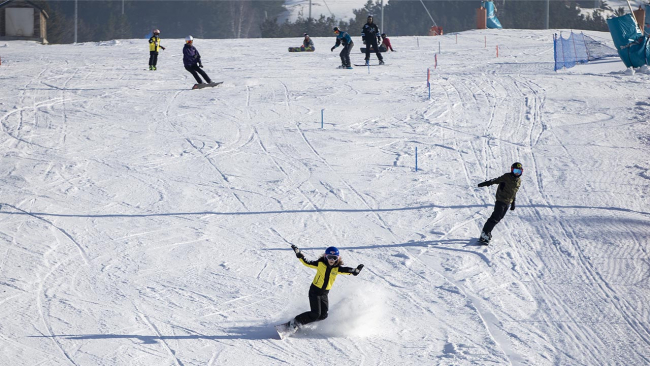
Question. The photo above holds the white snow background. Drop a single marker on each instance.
(144, 223)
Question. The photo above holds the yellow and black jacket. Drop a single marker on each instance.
(154, 44)
(325, 274)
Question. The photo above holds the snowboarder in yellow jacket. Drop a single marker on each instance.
(327, 267)
(154, 47)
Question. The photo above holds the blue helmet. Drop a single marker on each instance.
(332, 251)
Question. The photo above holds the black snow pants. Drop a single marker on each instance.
(345, 54)
(195, 70)
(500, 209)
(153, 58)
(319, 305)
(372, 43)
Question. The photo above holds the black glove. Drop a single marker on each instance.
(332, 50)
(297, 251)
(201, 65)
(485, 184)
(357, 270)
(163, 48)
(512, 206)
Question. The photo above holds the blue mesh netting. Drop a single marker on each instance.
(578, 49)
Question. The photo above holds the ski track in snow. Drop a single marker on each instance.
(148, 223)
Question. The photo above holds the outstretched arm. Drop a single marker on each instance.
(350, 270)
(301, 257)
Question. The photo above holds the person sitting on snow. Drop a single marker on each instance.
(385, 43)
(307, 44)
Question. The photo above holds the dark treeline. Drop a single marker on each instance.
(103, 20)
(408, 17)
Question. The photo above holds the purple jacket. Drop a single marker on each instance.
(191, 55)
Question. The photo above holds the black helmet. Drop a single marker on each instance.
(369, 15)
(383, 35)
(517, 169)
(336, 29)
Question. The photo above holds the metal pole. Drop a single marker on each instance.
(382, 16)
(122, 7)
(75, 21)
(546, 21)
(309, 19)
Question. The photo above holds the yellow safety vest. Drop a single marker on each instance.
(154, 44)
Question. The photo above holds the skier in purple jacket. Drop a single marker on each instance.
(192, 61)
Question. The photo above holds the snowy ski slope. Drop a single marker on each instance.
(144, 223)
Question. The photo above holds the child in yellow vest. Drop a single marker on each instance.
(154, 46)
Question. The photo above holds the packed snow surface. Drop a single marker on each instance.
(144, 223)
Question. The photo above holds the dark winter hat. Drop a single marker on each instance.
(305, 35)
(336, 29)
(369, 16)
(383, 35)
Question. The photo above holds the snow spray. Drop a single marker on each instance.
(356, 310)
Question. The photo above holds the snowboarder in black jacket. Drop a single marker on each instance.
(371, 37)
(327, 267)
(506, 194)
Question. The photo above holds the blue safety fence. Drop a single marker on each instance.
(578, 48)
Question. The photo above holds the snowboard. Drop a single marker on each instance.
(381, 49)
(301, 49)
(211, 85)
(284, 330)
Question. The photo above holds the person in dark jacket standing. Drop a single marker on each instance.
(192, 61)
(506, 194)
(344, 39)
(154, 46)
(371, 37)
(327, 267)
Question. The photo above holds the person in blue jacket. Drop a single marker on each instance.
(192, 61)
(344, 39)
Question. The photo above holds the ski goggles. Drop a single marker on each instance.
(331, 257)
(517, 171)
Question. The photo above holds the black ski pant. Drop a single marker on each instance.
(195, 70)
(345, 54)
(500, 209)
(153, 58)
(373, 44)
(319, 305)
